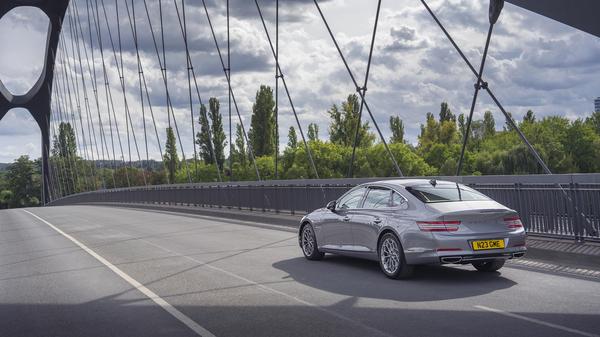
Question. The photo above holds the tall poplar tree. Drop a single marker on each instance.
(203, 137)
(218, 135)
(170, 157)
(262, 135)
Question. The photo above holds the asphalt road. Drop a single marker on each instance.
(100, 271)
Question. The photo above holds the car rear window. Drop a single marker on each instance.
(445, 193)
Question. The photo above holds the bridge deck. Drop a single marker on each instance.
(242, 279)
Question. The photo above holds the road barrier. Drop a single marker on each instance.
(562, 205)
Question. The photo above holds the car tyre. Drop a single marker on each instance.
(488, 266)
(391, 258)
(308, 243)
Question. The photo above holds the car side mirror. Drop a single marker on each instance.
(331, 205)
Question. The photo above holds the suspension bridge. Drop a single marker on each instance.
(129, 257)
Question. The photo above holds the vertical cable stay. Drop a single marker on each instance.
(61, 185)
(121, 73)
(94, 83)
(66, 112)
(192, 72)
(364, 90)
(189, 82)
(75, 82)
(108, 91)
(358, 89)
(276, 88)
(308, 151)
(165, 80)
(91, 131)
(142, 80)
(70, 118)
(62, 108)
(231, 93)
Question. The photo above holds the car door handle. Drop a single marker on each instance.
(377, 220)
(346, 218)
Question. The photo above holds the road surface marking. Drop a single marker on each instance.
(374, 331)
(536, 321)
(199, 330)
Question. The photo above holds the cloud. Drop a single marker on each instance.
(533, 63)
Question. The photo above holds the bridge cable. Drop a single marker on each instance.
(358, 89)
(108, 92)
(75, 83)
(56, 170)
(229, 96)
(276, 88)
(57, 163)
(94, 83)
(68, 111)
(62, 107)
(192, 74)
(508, 117)
(308, 151)
(91, 131)
(121, 73)
(228, 78)
(165, 79)
(142, 80)
(364, 89)
(70, 117)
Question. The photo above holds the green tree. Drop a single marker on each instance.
(529, 117)
(218, 135)
(489, 125)
(6, 196)
(262, 127)
(446, 114)
(203, 137)
(397, 128)
(342, 128)
(171, 157)
(313, 132)
(292, 138)
(21, 182)
(64, 144)
(594, 121)
(239, 150)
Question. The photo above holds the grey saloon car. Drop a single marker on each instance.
(403, 223)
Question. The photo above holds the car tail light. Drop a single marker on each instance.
(438, 226)
(513, 222)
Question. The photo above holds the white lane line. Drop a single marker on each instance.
(199, 330)
(536, 321)
(373, 331)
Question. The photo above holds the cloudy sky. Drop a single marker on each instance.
(534, 63)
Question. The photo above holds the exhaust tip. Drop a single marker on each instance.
(451, 259)
(517, 255)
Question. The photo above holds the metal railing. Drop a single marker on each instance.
(557, 205)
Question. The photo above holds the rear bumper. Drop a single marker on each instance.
(462, 259)
(452, 248)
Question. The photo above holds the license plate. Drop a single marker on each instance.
(488, 244)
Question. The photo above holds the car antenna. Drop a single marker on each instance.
(433, 182)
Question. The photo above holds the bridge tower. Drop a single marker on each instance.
(37, 100)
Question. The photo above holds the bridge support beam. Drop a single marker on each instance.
(37, 101)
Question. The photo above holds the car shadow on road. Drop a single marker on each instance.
(363, 278)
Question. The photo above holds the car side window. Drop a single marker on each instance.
(352, 199)
(378, 198)
(398, 200)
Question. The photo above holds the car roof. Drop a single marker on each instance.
(407, 182)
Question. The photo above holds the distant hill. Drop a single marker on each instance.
(3, 166)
